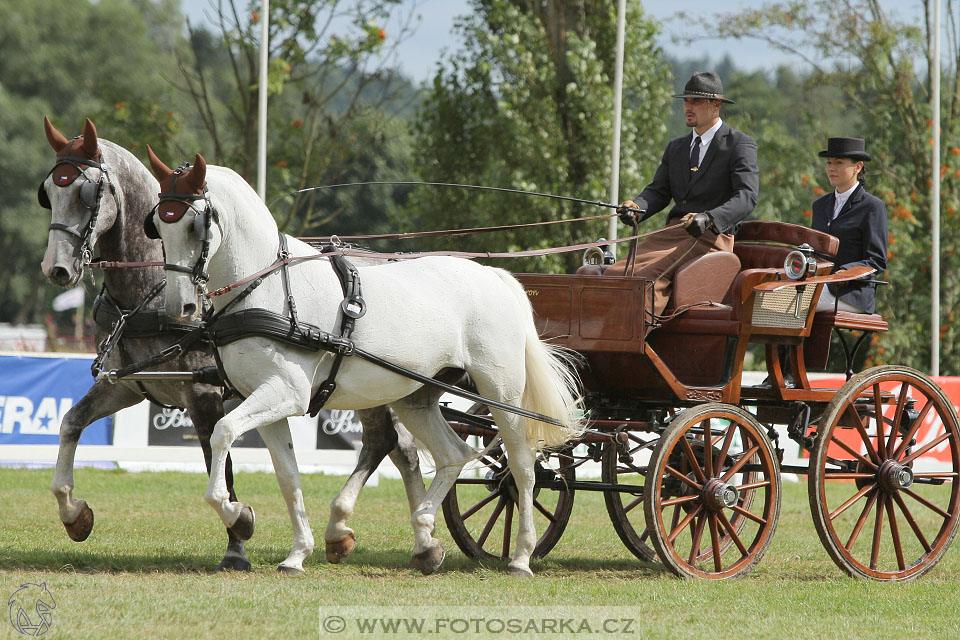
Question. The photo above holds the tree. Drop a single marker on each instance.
(69, 61)
(528, 104)
(331, 88)
(870, 60)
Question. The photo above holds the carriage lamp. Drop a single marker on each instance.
(800, 263)
(598, 256)
(593, 255)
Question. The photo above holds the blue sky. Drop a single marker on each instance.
(420, 53)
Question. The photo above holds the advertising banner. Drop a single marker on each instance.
(36, 392)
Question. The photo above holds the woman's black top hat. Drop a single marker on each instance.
(852, 148)
(704, 84)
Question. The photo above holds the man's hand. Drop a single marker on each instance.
(629, 212)
(696, 223)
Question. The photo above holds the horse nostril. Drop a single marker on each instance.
(189, 310)
(59, 275)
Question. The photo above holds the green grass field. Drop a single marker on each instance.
(147, 569)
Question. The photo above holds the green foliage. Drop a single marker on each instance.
(527, 104)
(332, 92)
(71, 60)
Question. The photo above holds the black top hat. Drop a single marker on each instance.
(852, 148)
(704, 84)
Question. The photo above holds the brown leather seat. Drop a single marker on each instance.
(706, 279)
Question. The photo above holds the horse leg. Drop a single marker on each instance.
(270, 402)
(100, 401)
(379, 438)
(421, 413)
(521, 457)
(205, 408)
(407, 461)
(280, 444)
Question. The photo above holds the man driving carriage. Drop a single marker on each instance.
(711, 176)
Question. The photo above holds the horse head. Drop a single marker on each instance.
(185, 220)
(84, 204)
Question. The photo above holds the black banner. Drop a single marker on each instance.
(174, 428)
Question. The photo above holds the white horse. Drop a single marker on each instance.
(429, 315)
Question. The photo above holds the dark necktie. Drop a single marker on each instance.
(695, 154)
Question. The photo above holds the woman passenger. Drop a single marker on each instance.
(858, 219)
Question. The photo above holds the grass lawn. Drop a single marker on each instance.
(147, 569)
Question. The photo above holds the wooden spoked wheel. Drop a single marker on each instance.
(481, 508)
(884, 492)
(730, 488)
(626, 464)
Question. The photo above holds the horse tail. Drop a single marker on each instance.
(552, 385)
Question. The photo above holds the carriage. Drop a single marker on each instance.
(690, 457)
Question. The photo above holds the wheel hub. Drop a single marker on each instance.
(719, 495)
(894, 476)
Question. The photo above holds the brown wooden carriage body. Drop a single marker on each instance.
(667, 405)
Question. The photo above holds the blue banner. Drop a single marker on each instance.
(36, 392)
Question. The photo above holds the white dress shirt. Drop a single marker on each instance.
(705, 139)
(841, 199)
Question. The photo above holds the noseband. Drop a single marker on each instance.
(91, 195)
(201, 223)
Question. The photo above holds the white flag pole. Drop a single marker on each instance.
(935, 201)
(617, 99)
(262, 95)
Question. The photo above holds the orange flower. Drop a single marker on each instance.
(297, 122)
(382, 34)
(119, 105)
(817, 191)
(281, 163)
(891, 239)
(890, 254)
(169, 114)
(955, 151)
(808, 213)
(804, 179)
(255, 17)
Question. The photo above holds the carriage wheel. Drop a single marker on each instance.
(627, 464)
(731, 488)
(481, 507)
(885, 501)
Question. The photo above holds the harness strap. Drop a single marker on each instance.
(351, 309)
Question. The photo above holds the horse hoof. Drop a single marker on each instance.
(289, 572)
(518, 572)
(337, 550)
(79, 530)
(244, 526)
(430, 560)
(234, 563)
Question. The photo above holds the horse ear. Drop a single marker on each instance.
(198, 174)
(56, 139)
(160, 170)
(90, 139)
